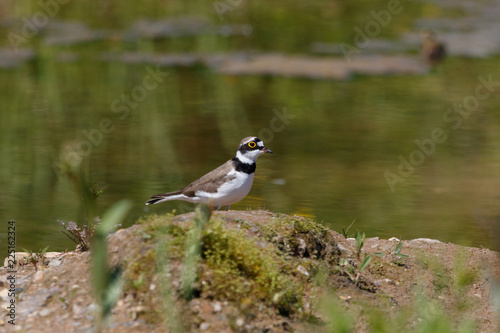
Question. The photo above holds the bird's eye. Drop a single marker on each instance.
(252, 144)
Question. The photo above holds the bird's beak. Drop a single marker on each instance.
(265, 150)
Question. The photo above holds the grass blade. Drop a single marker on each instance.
(106, 283)
(365, 263)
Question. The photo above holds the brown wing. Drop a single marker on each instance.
(211, 181)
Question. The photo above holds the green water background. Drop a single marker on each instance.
(331, 157)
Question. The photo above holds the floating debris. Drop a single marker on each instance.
(290, 66)
(183, 27)
(375, 46)
(324, 68)
(476, 34)
(280, 64)
(163, 59)
(168, 28)
(11, 58)
(68, 33)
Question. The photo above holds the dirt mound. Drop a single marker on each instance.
(260, 272)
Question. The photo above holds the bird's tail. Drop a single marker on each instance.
(157, 198)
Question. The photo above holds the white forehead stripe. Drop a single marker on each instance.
(249, 139)
(260, 144)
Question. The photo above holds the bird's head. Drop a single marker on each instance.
(250, 149)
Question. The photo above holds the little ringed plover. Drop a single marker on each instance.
(225, 185)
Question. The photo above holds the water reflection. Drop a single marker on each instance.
(332, 155)
(330, 159)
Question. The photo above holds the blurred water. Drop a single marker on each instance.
(146, 129)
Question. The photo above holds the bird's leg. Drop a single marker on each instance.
(227, 207)
(212, 206)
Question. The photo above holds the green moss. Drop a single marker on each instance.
(154, 223)
(141, 267)
(303, 237)
(160, 228)
(238, 264)
(139, 270)
(463, 274)
(441, 275)
(241, 268)
(253, 265)
(293, 224)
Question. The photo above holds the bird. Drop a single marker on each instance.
(225, 185)
(433, 51)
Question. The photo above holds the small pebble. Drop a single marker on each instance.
(204, 326)
(195, 306)
(389, 281)
(4, 293)
(51, 255)
(38, 276)
(303, 270)
(344, 249)
(426, 240)
(302, 246)
(44, 312)
(55, 262)
(78, 309)
(239, 322)
(217, 307)
(140, 309)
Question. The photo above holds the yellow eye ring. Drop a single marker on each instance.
(252, 144)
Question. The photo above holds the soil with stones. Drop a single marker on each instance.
(258, 271)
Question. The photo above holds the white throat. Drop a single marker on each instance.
(249, 157)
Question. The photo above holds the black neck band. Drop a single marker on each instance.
(243, 167)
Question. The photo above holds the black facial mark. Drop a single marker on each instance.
(245, 147)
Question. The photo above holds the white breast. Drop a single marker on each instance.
(230, 192)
